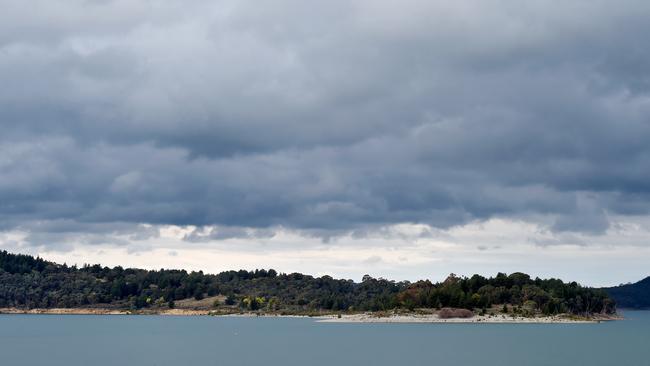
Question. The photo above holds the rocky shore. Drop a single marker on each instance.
(434, 318)
(328, 318)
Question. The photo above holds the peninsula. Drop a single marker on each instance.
(33, 285)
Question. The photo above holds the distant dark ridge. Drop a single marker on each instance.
(632, 296)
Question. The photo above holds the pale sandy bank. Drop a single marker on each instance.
(344, 318)
(99, 311)
(433, 318)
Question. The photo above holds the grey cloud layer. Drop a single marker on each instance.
(325, 117)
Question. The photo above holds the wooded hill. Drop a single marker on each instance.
(633, 295)
(28, 282)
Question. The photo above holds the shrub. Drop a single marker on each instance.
(447, 313)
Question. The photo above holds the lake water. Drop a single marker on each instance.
(70, 340)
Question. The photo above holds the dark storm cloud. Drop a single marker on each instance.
(327, 117)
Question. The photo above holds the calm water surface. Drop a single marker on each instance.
(155, 340)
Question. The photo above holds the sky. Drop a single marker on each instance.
(403, 140)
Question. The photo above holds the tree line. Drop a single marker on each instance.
(29, 282)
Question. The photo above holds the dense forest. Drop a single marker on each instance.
(28, 282)
(633, 295)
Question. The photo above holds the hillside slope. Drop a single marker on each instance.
(632, 296)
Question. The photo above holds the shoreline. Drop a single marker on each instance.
(325, 318)
(477, 319)
(106, 311)
(158, 312)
